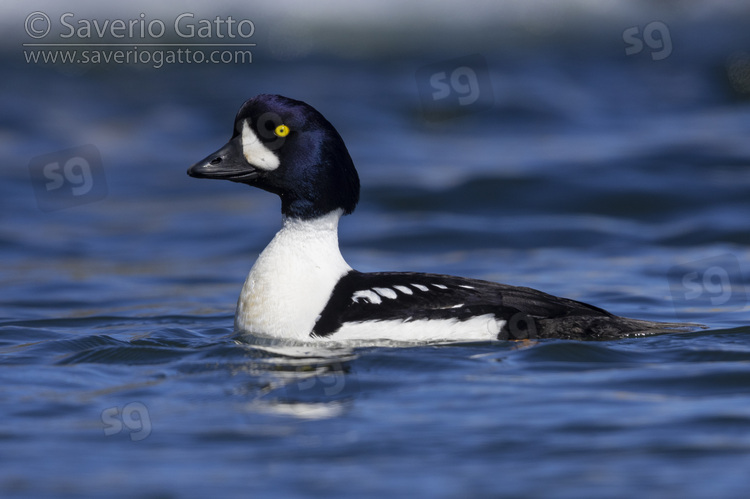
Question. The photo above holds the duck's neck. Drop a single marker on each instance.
(292, 279)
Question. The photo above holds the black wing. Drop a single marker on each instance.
(360, 297)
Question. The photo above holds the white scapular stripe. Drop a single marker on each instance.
(404, 289)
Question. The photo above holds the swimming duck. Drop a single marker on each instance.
(301, 288)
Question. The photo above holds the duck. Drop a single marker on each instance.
(302, 289)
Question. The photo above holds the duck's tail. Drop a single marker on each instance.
(587, 327)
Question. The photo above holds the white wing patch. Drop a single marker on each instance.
(368, 295)
(386, 293)
(376, 295)
(255, 152)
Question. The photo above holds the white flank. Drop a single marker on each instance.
(420, 287)
(479, 328)
(292, 279)
(255, 152)
(404, 289)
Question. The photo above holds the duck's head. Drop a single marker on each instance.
(286, 147)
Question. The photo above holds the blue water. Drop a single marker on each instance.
(612, 179)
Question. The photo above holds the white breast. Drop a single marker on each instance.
(292, 279)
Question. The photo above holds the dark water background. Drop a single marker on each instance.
(614, 179)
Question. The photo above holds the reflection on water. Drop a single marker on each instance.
(305, 382)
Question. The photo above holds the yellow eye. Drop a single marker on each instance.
(281, 131)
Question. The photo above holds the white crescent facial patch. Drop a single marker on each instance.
(255, 152)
